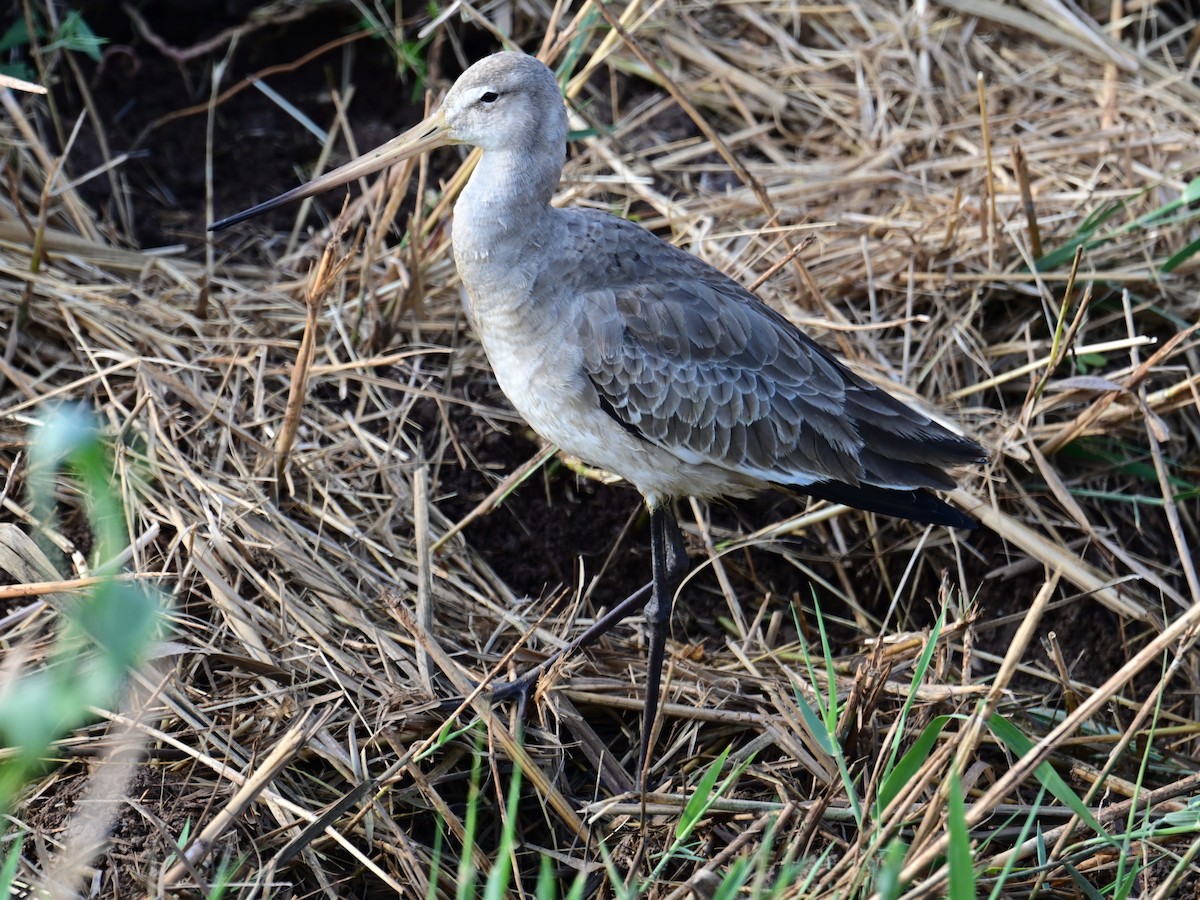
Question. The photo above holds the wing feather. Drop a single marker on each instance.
(694, 363)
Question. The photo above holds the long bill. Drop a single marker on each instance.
(430, 134)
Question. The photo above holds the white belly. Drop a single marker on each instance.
(546, 385)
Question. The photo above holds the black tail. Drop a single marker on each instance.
(918, 505)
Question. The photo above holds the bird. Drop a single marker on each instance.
(643, 360)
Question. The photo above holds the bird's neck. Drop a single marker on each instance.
(507, 193)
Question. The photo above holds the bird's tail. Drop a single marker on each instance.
(918, 505)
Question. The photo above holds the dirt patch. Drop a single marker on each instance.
(158, 810)
(148, 105)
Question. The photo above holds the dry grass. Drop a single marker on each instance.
(887, 175)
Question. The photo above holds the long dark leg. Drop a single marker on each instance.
(669, 562)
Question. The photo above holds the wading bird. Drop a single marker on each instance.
(641, 359)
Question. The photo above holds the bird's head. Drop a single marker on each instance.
(504, 102)
(508, 101)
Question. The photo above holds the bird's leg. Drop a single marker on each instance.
(522, 686)
(670, 565)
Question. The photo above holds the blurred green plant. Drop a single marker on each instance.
(103, 636)
(410, 53)
(73, 34)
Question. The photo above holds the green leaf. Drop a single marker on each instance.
(104, 634)
(435, 857)
(122, 618)
(76, 35)
(17, 35)
(1064, 254)
(887, 878)
(1156, 218)
(1175, 260)
(1018, 743)
(735, 878)
(910, 763)
(547, 886)
(701, 798)
(815, 725)
(918, 677)
(959, 856)
(1082, 883)
(501, 874)
(1186, 819)
(577, 887)
(19, 70)
(466, 863)
(8, 874)
(38, 708)
(1031, 823)
(185, 835)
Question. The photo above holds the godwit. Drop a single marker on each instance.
(640, 358)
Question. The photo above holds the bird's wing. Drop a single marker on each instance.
(694, 363)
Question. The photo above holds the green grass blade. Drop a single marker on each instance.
(1056, 259)
(734, 880)
(702, 797)
(435, 860)
(547, 887)
(830, 710)
(577, 887)
(1156, 218)
(12, 860)
(466, 863)
(910, 763)
(959, 856)
(814, 722)
(621, 890)
(919, 670)
(887, 877)
(1082, 883)
(1031, 822)
(1177, 259)
(1018, 743)
(498, 879)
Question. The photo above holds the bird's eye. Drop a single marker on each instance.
(489, 97)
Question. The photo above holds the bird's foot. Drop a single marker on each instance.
(520, 689)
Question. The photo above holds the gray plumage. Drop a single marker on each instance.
(699, 366)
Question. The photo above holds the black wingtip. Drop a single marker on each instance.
(917, 505)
